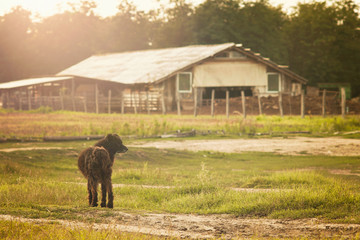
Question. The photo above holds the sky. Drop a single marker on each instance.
(45, 8)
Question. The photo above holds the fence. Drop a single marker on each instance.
(328, 103)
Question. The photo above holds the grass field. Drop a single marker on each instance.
(40, 123)
(47, 184)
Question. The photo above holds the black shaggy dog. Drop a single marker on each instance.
(95, 163)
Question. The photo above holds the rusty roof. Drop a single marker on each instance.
(146, 66)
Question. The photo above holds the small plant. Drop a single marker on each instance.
(203, 175)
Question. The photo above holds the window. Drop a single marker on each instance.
(273, 82)
(184, 82)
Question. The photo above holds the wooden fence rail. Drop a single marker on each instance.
(328, 103)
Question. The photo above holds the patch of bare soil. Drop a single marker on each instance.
(332, 146)
(211, 226)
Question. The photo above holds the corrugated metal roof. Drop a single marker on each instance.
(145, 66)
(31, 81)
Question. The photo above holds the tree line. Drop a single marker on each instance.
(318, 40)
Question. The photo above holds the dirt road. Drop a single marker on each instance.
(211, 226)
(333, 146)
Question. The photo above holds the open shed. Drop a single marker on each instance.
(163, 79)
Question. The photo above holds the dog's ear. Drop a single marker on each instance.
(108, 136)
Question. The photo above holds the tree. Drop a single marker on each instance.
(175, 28)
(257, 25)
(311, 38)
(128, 29)
(348, 44)
(67, 38)
(261, 27)
(16, 30)
(323, 42)
(215, 22)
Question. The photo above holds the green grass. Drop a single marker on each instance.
(52, 231)
(40, 123)
(45, 183)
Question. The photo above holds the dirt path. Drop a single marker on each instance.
(333, 146)
(210, 226)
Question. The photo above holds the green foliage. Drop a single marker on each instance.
(42, 109)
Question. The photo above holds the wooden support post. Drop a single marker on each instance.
(281, 105)
(178, 103)
(29, 99)
(195, 101)
(62, 100)
(147, 102)
(227, 103)
(109, 101)
(260, 105)
(96, 98)
(243, 103)
(133, 101)
(302, 102)
(85, 105)
(343, 102)
(324, 103)
(122, 103)
(20, 102)
(163, 106)
(213, 102)
(290, 105)
(73, 94)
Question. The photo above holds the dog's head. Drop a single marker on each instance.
(115, 142)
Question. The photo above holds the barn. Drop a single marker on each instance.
(164, 80)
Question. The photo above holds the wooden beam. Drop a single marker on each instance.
(227, 103)
(29, 99)
(343, 102)
(195, 101)
(260, 105)
(85, 105)
(281, 105)
(147, 102)
(213, 102)
(133, 100)
(178, 103)
(96, 98)
(73, 94)
(122, 102)
(323, 108)
(302, 102)
(243, 102)
(109, 101)
(163, 106)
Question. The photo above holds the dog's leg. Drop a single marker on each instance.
(110, 203)
(93, 186)
(103, 194)
(89, 192)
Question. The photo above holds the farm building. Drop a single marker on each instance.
(155, 80)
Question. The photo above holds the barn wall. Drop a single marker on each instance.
(229, 74)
